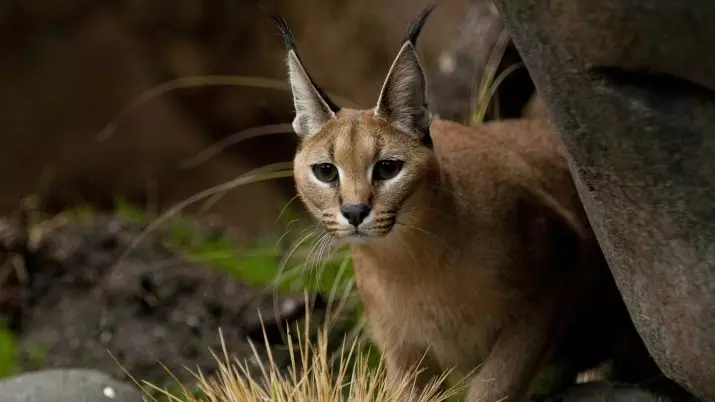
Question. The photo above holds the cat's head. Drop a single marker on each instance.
(356, 169)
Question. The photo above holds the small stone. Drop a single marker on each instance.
(158, 333)
(63, 385)
(105, 337)
(109, 392)
(192, 321)
(603, 391)
(289, 306)
(447, 64)
(114, 226)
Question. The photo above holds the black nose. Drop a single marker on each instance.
(355, 213)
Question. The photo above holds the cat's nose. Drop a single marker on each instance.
(355, 213)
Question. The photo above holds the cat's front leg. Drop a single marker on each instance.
(406, 361)
(517, 354)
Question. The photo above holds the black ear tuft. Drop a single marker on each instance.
(416, 25)
(403, 99)
(285, 31)
(287, 35)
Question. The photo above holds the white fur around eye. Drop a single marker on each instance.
(315, 180)
(385, 183)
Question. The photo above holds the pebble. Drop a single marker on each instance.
(64, 385)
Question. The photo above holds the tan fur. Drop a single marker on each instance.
(477, 255)
(470, 274)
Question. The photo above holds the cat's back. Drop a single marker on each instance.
(495, 164)
(510, 146)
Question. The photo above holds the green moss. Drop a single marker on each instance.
(181, 392)
(36, 356)
(126, 211)
(8, 352)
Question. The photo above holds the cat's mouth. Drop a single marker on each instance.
(362, 235)
(374, 227)
(358, 237)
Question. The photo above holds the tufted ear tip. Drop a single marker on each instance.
(313, 108)
(403, 99)
(413, 32)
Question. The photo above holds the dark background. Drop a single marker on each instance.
(68, 67)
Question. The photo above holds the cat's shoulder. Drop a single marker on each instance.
(514, 134)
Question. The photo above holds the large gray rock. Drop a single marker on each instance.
(629, 86)
(606, 392)
(70, 385)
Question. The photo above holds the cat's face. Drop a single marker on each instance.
(356, 168)
(356, 173)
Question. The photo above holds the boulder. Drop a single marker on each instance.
(629, 85)
(76, 385)
(605, 392)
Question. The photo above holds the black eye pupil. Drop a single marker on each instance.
(326, 172)
(386, 169)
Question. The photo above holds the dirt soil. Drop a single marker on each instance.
(71, 303)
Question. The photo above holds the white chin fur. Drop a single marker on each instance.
(358, 239)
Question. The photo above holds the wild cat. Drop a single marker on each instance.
(470, 244)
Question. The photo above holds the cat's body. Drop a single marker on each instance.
(478, 245)
(493, 229)
(471, 248)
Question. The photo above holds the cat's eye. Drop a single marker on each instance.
(325, 172)
(386, 169)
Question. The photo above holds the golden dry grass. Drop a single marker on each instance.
(314, 374)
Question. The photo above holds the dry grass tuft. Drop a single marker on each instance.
(313, 374)
(485, 92)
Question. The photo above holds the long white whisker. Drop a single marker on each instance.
(408, 250)
(287, 257)
(316, 246)
(279, 277)
(322, 262)
(333, 290)
(287, 232)
(285, 207)
(425, 233)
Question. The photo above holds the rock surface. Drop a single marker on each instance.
(629, 86)
(606, 392)
(480, 46)
(76, 385)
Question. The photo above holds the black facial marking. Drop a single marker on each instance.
(426, 140)
(331, 150)
(385, 219)
(383, 227)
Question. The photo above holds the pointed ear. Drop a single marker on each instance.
(312, 111)
(313, 108)
(403, 100)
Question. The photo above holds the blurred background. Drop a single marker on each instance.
(69, 68)
(138, 105)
